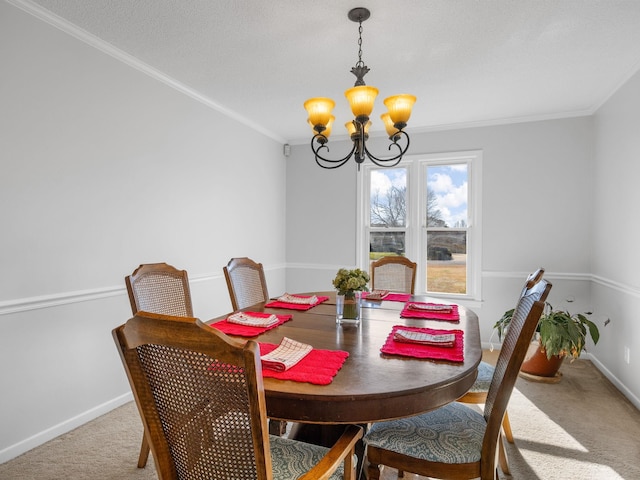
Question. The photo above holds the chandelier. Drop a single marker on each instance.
(361, 98)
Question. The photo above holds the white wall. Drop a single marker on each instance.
(535, 210)
(616, 234)
(105, 168)
(560, 194)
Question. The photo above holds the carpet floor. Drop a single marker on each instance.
(581, 427)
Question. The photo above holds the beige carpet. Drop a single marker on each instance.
(581, 428)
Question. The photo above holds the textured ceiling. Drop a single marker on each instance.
(469, 62)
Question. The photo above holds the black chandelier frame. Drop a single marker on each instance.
(360, 152)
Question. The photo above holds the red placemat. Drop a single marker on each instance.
(452, 316)
(393, 297)
(397, 297)
(452, 354)
(296, 306)
(318, 367)
(245, 331)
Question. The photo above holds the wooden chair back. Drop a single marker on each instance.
(477, 394)
(532, 279)
(394, 273)
(246, 282)
(159, 288)
(200, 396)
(514, 348)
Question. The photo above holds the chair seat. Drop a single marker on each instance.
(451, 434)
(291, 459)
(483, 380)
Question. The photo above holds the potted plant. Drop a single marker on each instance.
(559, 334)
(349, 284)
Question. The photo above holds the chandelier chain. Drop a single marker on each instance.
(360, 63)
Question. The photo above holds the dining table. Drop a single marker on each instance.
(370, 386)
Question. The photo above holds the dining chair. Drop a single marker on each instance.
(456, 441)
(201, 398)
(394, 273)
(246, 282)
(158, 288)
(477, 394)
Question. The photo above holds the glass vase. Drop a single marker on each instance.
(348, 308)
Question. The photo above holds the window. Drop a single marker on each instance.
(427, 208)
(387, 211)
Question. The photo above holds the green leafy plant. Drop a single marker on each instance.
(560, 332)
(349, 281)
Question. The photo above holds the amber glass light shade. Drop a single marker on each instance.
(319, 109)
(361, 99)
(400, 107)
(327, 130)
(351, 127)
(388, 124)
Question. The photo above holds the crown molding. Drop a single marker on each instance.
(105, 47)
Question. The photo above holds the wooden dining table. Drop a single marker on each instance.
(370, 386)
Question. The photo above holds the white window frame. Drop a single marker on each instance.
(416, 217)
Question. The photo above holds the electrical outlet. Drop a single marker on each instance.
(627, 355)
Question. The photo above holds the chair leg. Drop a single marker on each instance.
(277, 427)
(502, 456)
(373, 471)
(506, 425)
(144, 452)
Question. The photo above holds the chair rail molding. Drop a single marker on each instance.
(8, 307)
(620, 287)
(18, 305)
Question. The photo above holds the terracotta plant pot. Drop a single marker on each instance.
(536, 362)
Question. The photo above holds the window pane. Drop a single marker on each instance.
(386, 243)
(388, 207)
(447, 196)
(447, 209)
(447, 262)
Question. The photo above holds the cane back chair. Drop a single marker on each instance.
(393, 273)
(201, 398)
(246, 282)
(158, 288)
(477, 394)
(455, 441)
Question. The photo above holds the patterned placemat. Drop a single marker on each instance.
(286, 355)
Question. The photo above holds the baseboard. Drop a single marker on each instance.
(616, 382)
(64, 427)
(604, 370)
